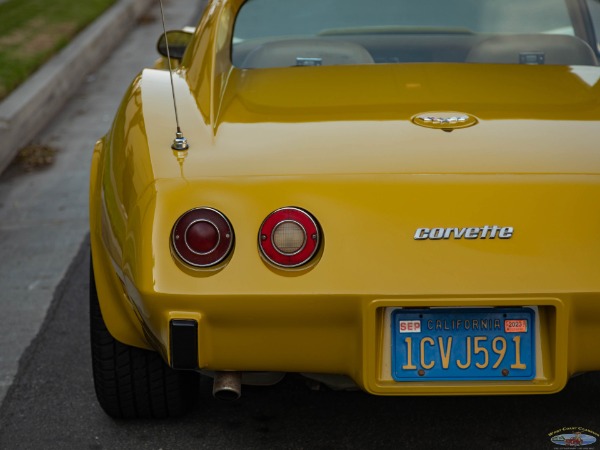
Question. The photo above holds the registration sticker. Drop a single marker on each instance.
(515, 326)
(410, 326)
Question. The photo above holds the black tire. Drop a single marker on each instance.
(133, 383)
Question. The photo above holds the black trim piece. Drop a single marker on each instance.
(184, 344)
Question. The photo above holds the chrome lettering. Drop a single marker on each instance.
(495, 230)
(422, 233)
(448, 232)
(459, 233)
(471, 233)
(436, 234)
(484, 231)
(506, 233)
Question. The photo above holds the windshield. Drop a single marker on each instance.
(279, 33)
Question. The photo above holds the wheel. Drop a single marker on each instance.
(131, 382)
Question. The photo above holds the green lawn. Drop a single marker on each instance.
(31, 31)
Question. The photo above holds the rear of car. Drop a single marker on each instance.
(398, 196)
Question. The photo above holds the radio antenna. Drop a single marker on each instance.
(179, 143)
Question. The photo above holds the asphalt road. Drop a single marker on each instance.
(43, 207)
(51, 405)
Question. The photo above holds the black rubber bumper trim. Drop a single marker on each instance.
(184, 344)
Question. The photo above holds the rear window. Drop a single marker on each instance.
(594, 8)
(282, 33)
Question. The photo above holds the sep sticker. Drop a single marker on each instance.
(515, 326)
(410, 326)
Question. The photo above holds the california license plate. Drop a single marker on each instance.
(457, 344)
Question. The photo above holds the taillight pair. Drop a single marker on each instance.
(289, 237)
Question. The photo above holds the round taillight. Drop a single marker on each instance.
(289, 237)
(202, 237)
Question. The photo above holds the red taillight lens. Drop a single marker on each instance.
(289, 237)
(202, 237)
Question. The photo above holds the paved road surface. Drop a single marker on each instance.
(44, 213)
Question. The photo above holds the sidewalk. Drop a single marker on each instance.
(44, 213)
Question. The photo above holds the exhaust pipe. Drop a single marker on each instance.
(227, 385)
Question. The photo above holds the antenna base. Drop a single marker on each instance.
(180, 143)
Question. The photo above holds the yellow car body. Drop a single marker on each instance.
(500, 214)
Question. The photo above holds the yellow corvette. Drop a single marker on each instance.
(397, 196)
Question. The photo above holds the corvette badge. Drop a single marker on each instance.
(445, 121)
(485, 232)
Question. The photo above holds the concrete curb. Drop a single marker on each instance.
(26, 112)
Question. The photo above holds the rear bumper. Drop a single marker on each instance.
(350, 335)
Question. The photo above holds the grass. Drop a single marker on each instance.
(31, 31)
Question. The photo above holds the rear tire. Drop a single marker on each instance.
(134, 383)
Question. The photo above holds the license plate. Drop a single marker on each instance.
(457, 344)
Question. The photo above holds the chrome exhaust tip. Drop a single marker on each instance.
(227, 385)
